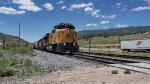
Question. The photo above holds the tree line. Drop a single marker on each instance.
(113, 32)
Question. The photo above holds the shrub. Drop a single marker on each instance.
(21, 50)
(114, 72)
(6, 71)
(30, 67)
(127, 71)
(6, 62)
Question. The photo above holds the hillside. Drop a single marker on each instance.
(113, 32)
(11, 41)
(98, 40)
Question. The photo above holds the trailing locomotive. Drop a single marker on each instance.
(63, 38)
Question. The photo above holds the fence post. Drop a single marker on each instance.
(4, 42)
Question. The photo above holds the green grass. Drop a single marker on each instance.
(22, 50)
(7, 60)
(113, 39)
(30, 67)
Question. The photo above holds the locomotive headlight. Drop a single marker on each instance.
(64, 44)
(74, 44)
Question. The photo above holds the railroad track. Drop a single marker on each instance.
(133, 64)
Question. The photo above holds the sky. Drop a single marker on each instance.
(38, 17)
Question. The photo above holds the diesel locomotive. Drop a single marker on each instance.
(62, 39)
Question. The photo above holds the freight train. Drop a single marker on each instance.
(62, 39)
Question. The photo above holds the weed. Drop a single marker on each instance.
(51, 68)
(127, 71)
(6, 71)
(21, 50)
(6, 62)
(114, 72)
(30, 67)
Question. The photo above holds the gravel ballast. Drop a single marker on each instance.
(47, 59)
(49, 62)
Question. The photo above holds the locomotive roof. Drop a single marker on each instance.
(64, 25)
(46, 35)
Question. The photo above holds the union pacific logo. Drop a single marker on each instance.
(139, 43)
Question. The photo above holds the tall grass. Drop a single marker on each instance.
(30, 67)
(7, 60)
(22, 50)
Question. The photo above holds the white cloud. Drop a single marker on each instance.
(125, 5)
(9, 10)
(82, 5)
(148, 1)
(63, 7)
(120, 25)
(5, 1)
(119, 3)
(49, 6)
(112, 16)
(92, 11)
(88, 8)
(95, 13)
(109, 17)
(92, 24)
(60, 2)
(27, 5)
(141, 8)
(104, 22)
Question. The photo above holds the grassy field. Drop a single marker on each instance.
(110, 45)
(9, 61)
(113, 39)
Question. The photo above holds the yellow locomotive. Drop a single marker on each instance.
(63, 38)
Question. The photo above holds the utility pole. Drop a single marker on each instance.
(19, 34)
(3, 42)
(119, 41)
(90, 44)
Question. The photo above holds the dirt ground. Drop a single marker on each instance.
(91, 75)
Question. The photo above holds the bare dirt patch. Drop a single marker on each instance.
(90, 75)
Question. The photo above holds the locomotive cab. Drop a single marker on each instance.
(67, 41)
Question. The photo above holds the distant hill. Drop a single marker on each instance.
(11, 41)
(99, 40)
(113, 32)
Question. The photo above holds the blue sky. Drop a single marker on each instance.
(37, 17)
